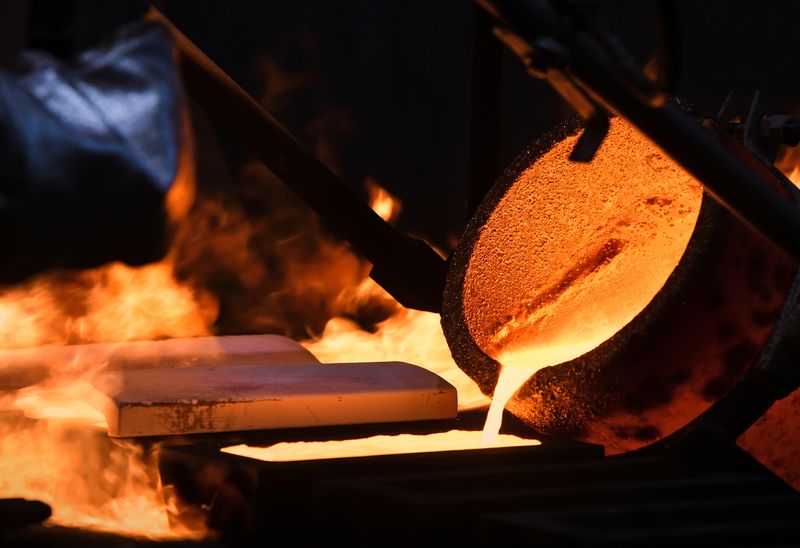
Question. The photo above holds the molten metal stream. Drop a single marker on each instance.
(517, 367)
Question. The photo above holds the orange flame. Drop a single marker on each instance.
(387, 207)
(409, 335)
(53, 444)
(788, 162)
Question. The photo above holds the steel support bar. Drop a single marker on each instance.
(723, 175)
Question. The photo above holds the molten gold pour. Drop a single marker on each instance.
(573, 252)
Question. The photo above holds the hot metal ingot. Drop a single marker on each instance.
(176, 401)
(658, 298)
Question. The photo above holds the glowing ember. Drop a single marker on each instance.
(454, 440)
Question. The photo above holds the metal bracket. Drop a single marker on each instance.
(761, 125)
(546, 59)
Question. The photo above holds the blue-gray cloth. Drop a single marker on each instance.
(88, 151)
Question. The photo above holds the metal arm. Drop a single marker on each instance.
(587, 66)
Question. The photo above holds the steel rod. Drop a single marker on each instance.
(724, 176)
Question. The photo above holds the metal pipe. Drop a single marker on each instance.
(407, 268)
(724, 176)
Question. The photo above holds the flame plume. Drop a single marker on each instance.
(53, 445)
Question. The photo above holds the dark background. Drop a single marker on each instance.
(382, 89)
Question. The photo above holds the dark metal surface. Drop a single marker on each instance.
(60, 536)
(762, 125)
(406, 267)
(549, 60)
(16, 513)
(590, 502)
(485, 110)
(247, 499)
(556, 494)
